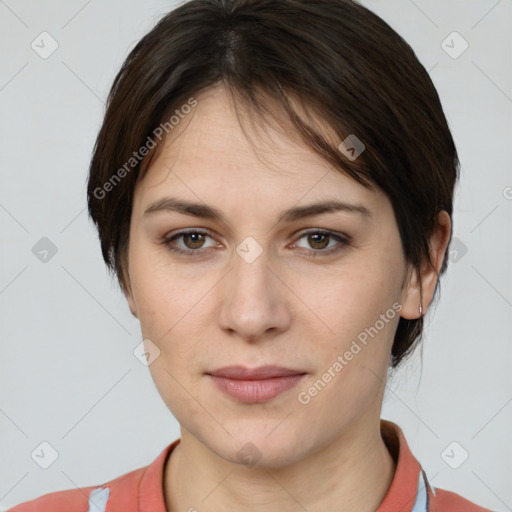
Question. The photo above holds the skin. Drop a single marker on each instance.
(286, 308)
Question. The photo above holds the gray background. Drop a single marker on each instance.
(68, 375)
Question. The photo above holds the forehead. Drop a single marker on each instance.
(219, 151)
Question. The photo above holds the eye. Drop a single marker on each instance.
(320, 240)
(194, 240)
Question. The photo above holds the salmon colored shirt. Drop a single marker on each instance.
(141, 490)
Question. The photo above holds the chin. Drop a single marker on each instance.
(257, 449)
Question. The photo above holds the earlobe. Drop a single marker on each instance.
(413, 297)
(421, 288)
(131, 303)
(126, 286)
(127, 291)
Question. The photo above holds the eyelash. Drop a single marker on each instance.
(344, 241)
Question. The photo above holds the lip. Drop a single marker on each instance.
(260, 373)
(255, 385)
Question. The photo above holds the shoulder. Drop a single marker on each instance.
(410, 479)
(448, 501)
(72, 500)
(85, 499)
(140, 488)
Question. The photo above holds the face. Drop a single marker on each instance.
(317, 294)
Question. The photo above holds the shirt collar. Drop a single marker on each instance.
(409, 490)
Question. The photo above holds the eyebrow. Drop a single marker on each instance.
(205, 211)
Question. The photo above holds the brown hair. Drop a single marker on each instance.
(337, 57)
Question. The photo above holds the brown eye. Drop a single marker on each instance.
(318, 240)
(196, 240)
(192, 242)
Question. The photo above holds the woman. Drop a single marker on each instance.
(273, 187)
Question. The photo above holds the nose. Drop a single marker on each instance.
(255, 304)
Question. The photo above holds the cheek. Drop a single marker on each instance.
(348, 302)
(162, 296)
(353, 357)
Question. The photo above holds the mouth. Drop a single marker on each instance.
(255, 385)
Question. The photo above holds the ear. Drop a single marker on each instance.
(127, 290)
(416, 295)
(131, 303)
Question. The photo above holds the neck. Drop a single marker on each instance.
(352, 473)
